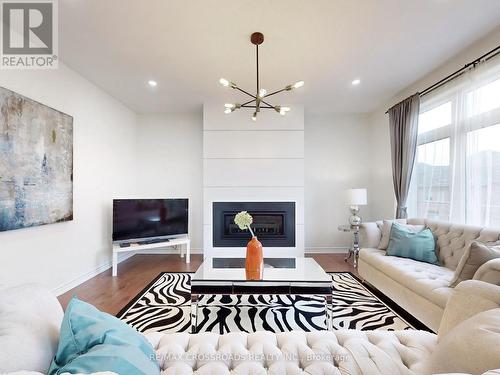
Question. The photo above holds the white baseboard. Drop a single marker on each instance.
(87, 276)
(326, 250)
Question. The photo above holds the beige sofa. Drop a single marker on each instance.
(421, 288)
(473, 312)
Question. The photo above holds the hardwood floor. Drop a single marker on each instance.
(111, 294)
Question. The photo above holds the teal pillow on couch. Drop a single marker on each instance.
(92, 341)
(419, 246)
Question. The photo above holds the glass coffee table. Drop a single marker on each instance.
(226, 276)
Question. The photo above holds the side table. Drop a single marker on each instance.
(354, 249)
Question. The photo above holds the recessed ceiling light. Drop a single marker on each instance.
(356, 82)
(152, 83)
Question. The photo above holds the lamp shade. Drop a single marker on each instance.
(356, 197)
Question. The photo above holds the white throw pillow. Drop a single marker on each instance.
(30, 320)
(386, 231)
(470, 347)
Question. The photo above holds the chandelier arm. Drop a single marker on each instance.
(254, 106)
(250, 101)
(275, 92)
(245, 92)
(270, 105)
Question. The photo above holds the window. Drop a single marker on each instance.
(431, 176)
(435, 118)
(456, 176)
(483, 176)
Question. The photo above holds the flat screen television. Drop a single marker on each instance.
(145, 219)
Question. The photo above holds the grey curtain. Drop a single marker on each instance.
(403, 123)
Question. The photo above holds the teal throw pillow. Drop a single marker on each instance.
(419, 246)
(92, 341)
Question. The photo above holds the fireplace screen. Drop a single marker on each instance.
(273, 223)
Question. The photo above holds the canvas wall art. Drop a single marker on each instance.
(36, 163)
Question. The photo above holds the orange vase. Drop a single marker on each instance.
(254, 263)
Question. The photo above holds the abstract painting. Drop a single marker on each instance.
(36, 163)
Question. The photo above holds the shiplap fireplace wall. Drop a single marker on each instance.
(246, 161)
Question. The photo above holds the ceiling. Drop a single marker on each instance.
(187, 45)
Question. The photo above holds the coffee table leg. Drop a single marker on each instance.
(329, 311)
(194, 313)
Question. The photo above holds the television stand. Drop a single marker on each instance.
(158, 240)
(181, 243)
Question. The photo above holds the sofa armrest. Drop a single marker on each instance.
(489, 272)
(469, 298)
(369, 235)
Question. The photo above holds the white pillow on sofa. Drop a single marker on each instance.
(470, 347)
(386, 231)
(30, 320)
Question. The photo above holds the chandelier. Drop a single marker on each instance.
(259, 100)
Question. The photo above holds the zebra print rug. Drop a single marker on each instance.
(165, 306)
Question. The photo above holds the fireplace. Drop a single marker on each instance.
(273, 223)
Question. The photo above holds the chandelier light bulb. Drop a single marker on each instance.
(284, 110)
(298, 84)
(229, 105)
(254, 116)
(227, 111)
(262, 93)
(224, 82)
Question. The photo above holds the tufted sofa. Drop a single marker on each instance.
(422, 288)
(343, 352)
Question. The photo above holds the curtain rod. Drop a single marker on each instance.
(488, 55)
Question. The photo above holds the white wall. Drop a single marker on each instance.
(60, 255)
(381, 175)
(245, 160)
(169, 159)
(337, 158)
(336, 155)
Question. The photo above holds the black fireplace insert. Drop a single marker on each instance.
(273, 223)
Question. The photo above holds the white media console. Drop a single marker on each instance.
(182, 243)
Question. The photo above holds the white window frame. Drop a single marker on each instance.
(457, 133)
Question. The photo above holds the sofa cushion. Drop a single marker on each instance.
(346, 352)
(472, 346)
(93, 341)
(428, 280)
(453, 239)
(407, 243)
(385, 227)
(474, 257)
(30, 317)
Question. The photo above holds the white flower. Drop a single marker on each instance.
(243, 220)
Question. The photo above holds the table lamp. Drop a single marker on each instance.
(356, 198)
